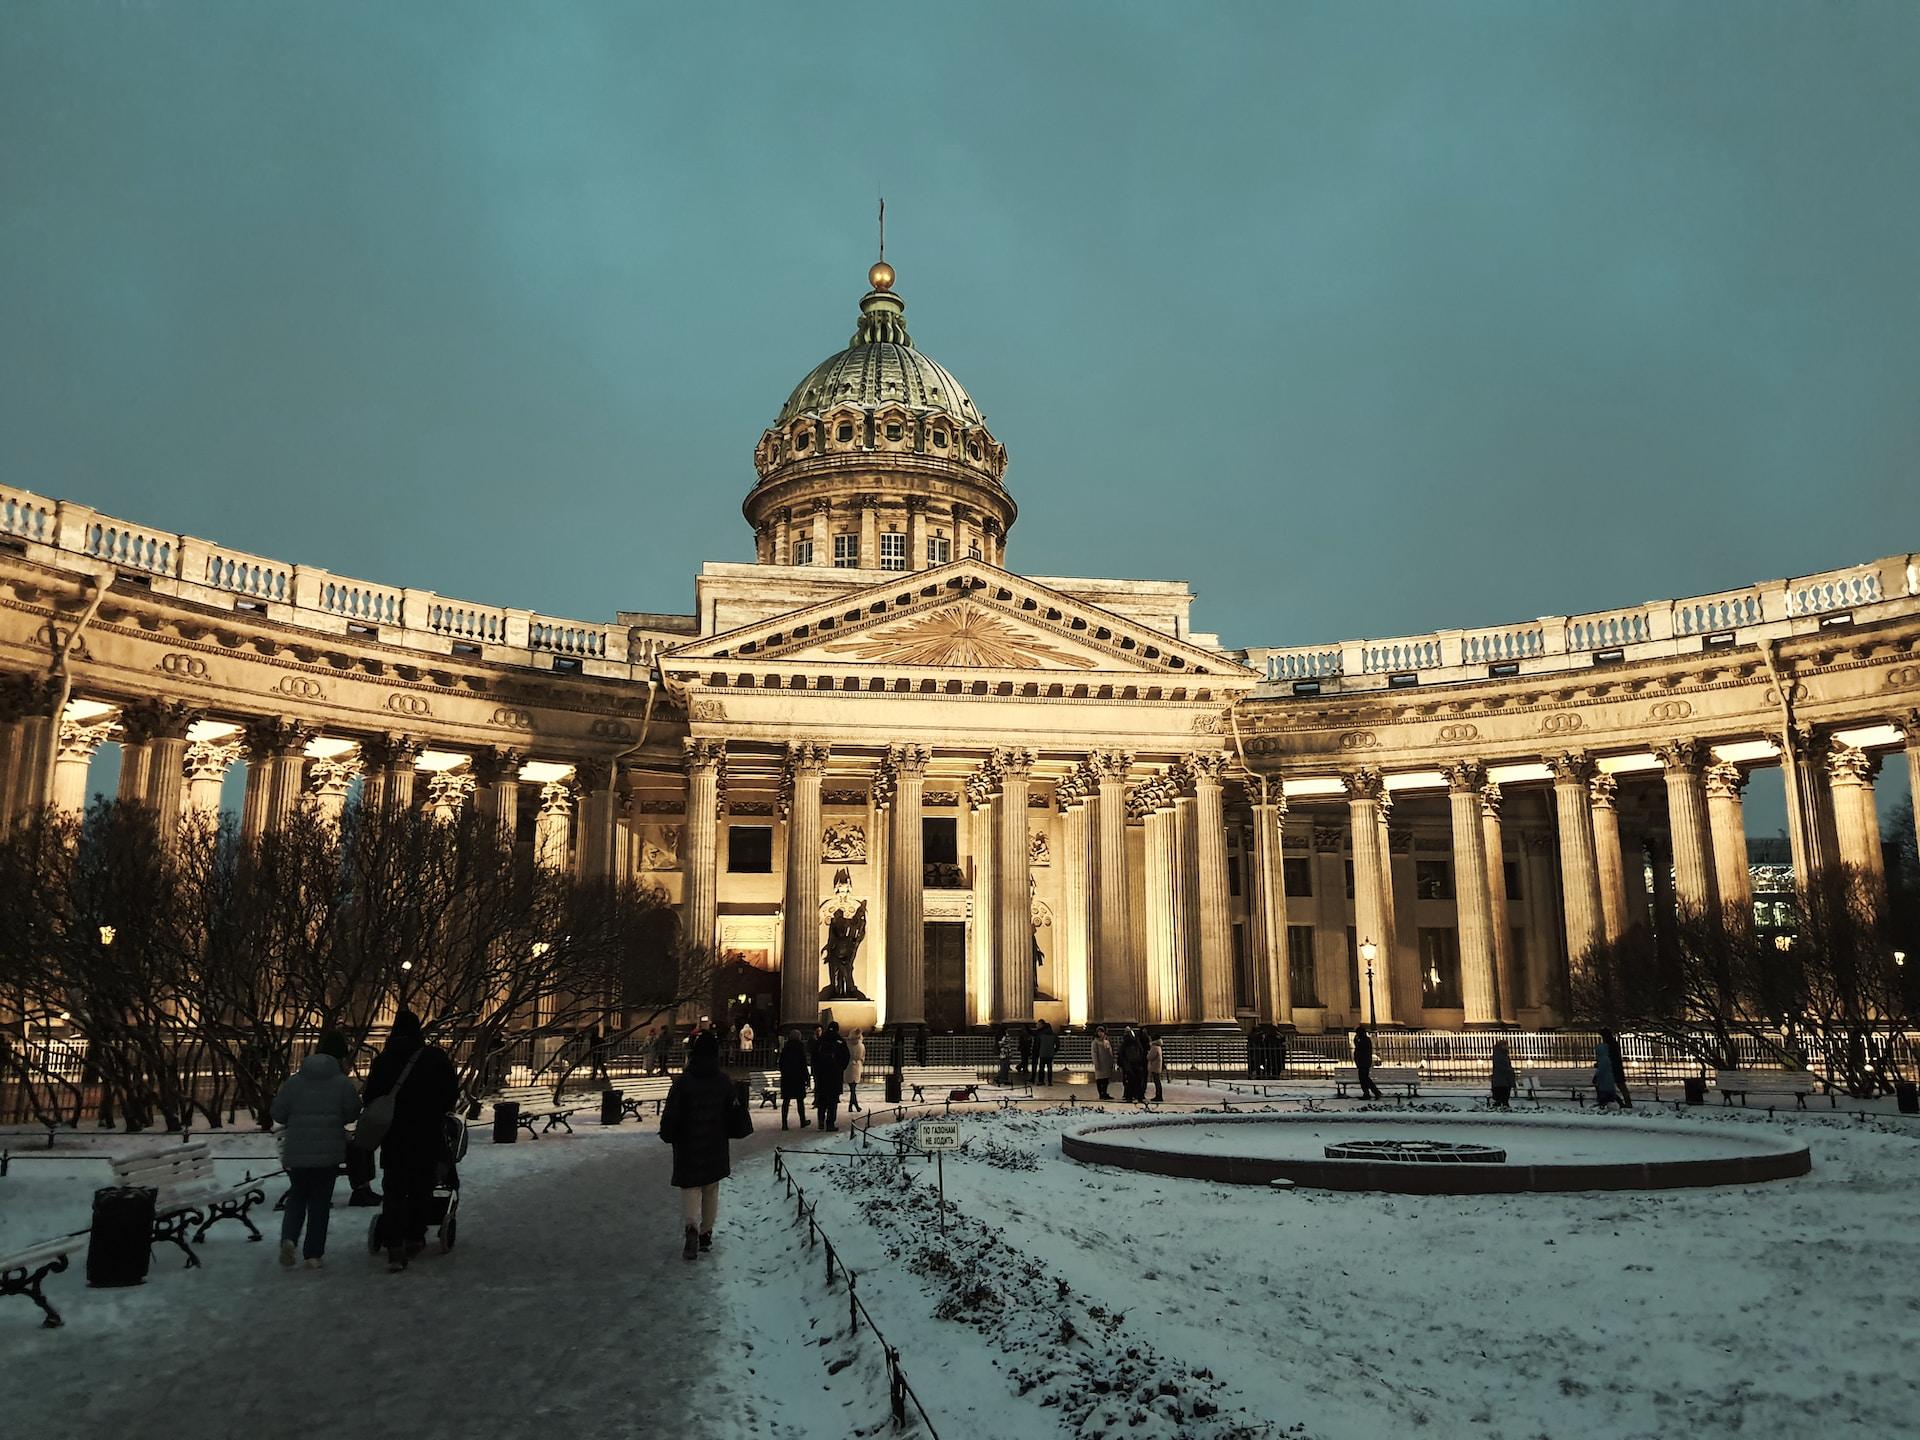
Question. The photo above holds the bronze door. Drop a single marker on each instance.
(946, 993)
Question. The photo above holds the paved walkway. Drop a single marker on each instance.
(566, 1310)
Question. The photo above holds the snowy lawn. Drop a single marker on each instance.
(1781, 1309)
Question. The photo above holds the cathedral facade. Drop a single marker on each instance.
(886, 775)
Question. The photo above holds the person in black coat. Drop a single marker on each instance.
(1618, 1061)
(830, 1060)
(704, 1111)
(1046, 1045)
(1363, 1063)
(425, 1091)
(1133, 1066)
(793, 1077)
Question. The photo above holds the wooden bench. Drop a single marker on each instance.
(943, 1079)
(1575, 1080)
(1797, 1083)
(189, 1197)
(536, 1103)
(25, 1271)
(1407, 1077)
(638, 1092)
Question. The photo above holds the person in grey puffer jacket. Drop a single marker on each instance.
(315, 1106)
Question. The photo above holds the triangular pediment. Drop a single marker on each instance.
(964, 616)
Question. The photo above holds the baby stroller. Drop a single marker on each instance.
(443, 1210)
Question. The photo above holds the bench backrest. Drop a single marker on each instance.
(175, 1168)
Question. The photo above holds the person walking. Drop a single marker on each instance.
(425, 1089)
(856, 1057)
(793, 1077)
(746, 1040)
(1156, 1068)
(1045, 1046)
(1618, 1060)
(1502, 1076)
(1605, 1092)
(830, 1060)
(703, 1113)
(1363, 1063)
(1009, 1048)
(314, 1106)
(1102, 1061)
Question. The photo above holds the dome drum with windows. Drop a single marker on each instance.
(879, 459)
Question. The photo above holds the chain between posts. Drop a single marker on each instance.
(899, 1391)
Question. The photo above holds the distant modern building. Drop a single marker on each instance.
(1042, 796)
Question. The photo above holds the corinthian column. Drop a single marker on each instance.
(700, 849)
(1606, 853)
(1727, 826)
(1217, 999)
(73, 760)
(1912, 725)
(550, 827)
(1013, 894)
(1364, 788)
(1497, 918)
(1471, 887)
(906, 887)
(1579, 871)
(388, 763)
(1810, 824)
(447, 793)
(206, 769)
(1270, 901)
(328, 782)
(137, 725)
(800, 958)
(1693, 885)
(496, 777)
(1183, 898)
(1160, 898)
(1075, 926)
(1119, 986)
(1856, 821)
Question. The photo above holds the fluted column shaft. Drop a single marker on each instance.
(1075, 925)
(906, 888)
(1119, 987)
(700, 848)
(1497, 917)
(800, 960)
(1607, 856)
(1579, 869)
(1856, 820)
(551, 825)
(1183, 906)
(1156, 904)
(1810, 822)
(1269, 897)
(1727, 828)
(1693, 881)
(1912, 723)
(136, 770)
(1218, 1002)
(71, 763)
(1364, 789)
(1472, 896)
(13, 766)
(1013, 897)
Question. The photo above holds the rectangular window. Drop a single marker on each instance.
(1439, 969)
(846, 552)
(1349, 879)
(1522, 991)
(1242, 970)
(939, 549)
(893, 550)
(1302, 974)
(973, 552)
(1512, 867)
(940, 840)
(1296, 873)
(750, 849)
(1433, 879)
(803, 552)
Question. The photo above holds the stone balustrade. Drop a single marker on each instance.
(55, 531)
(1659, 628)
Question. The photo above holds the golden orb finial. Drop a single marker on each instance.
(880, 277)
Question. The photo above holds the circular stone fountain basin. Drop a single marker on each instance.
(1540, 1153)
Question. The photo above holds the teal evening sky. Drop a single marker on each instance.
(1366, 319)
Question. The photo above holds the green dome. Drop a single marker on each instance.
(880, 367)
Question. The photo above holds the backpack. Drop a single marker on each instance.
(377, 1119)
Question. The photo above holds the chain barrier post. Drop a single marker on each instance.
(853, 1307)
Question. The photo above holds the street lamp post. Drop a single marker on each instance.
(1368, 950)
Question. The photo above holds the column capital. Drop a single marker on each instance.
(494, 765)
(807, 755)
(449, 789)
(1490, 799)
(1797, 741)
(1464, 777)
(1366, 783)
(1602, 790)
(390, 751)
(78, 740)
(211, 759)
(1571, 767)
(147, 720)
(1106, 765)
(916, 504)
(1850, 765)
(1015, 763)
(592, 773)
(704, 754)
(1725, 780)
(1208, 765)
(556, 798)
(1686, 754)
(330, 777)
(908, 759)
(22, 695)
(275, 735)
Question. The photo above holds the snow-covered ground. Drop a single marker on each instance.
(1064, 1300)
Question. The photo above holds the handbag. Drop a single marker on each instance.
(377, 1119)
(739, 1119)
